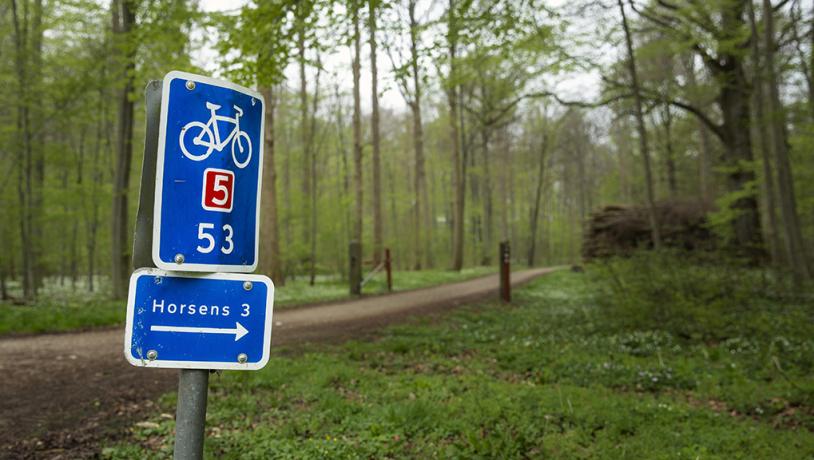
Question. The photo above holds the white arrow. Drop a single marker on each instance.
(239, 331)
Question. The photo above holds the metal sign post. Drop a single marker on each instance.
(199, 211)
(190, 414)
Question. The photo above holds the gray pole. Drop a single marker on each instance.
(190, 415)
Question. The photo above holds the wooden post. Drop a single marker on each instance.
(389, 268)
(505, 273)
(355, 273)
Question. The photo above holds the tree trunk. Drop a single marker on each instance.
(305, 137)
(343, 172)
(734, 102)
(486, 197)
(535, 210)
(378, 229)
(357, 130)
(124, 19)
(758, 82)
(422, 215)
(270, 229)
(705, 177)
(457, 165)
(795, 247)
(24, 158)
(648, 174)
(312, 172)
(37, 149)
(669, 155)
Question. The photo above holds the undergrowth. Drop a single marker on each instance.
(550, 376)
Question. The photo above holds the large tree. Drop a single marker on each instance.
(124, 21)
(718, 34)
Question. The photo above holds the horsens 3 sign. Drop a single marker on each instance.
(208, 175)
(213, 321)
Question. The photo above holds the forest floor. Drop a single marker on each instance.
(63, 394)
(63, 307)
(548, 376)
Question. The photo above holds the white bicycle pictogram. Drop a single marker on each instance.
(205, 137)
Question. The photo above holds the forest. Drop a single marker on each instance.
(436, 129)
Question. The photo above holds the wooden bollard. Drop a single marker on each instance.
(389, 267)
(505, 272)
(355, 274)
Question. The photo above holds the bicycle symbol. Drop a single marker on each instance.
(206, 137)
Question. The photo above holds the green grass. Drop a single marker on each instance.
(63, 309)
(543, 378)
(56, 317)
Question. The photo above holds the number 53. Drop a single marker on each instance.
(228, 246)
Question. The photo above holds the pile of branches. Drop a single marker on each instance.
(621, 230)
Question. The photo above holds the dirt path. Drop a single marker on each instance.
(60, 394)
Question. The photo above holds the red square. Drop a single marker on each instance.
(218, 185)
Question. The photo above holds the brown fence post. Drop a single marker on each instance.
(389, 268)
(355, 273)
(505, 273)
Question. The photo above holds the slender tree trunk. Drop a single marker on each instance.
(80, 166)
(487, 199)
(418, 214)
(270, 229)
(758, 82)
(35, 142)
(475, 195)
(23, 146)
(305, 137)
(312, 172)
(669, 155)
(343, 171)
(503, 156)
(378, 229)
(811, 67)
(642, 130)
(287, 193)
(422, 215)
(795, 247)
(535, 210)
(124, 17)
(357, 130)
(457, 165)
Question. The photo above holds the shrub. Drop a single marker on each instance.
(694, 296)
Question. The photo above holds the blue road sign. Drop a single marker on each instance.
(189, 321)
(208, 175)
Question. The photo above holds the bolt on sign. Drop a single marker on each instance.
(201, 308)
(208, 175)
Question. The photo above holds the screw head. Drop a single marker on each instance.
(252, 101)
(247, 285)
(179, 259)
(242, 358)
(152, 355)
(190, 85)
(157, 280)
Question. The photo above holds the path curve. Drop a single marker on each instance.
(60, 394)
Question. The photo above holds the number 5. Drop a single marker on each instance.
(218, 186)
(202, 235)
